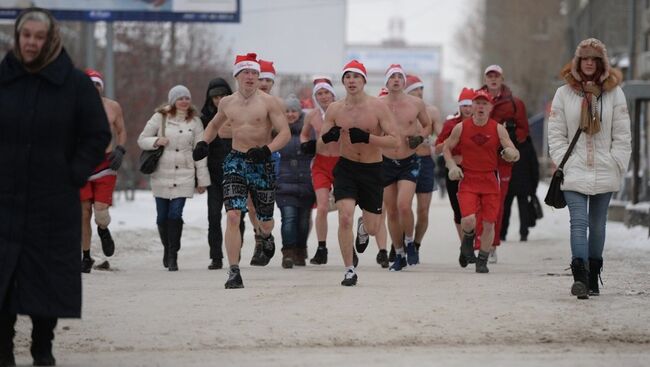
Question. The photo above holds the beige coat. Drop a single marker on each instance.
(177, 173)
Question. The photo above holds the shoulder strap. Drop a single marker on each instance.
(571, 146)
(163, 125)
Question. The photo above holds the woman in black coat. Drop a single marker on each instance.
(53, 132)
(294, 194)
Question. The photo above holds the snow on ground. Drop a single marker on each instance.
(434, 314)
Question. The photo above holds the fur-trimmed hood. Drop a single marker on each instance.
(614, 78)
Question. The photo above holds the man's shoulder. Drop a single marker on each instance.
(111, 103)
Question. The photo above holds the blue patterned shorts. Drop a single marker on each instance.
(241, 177)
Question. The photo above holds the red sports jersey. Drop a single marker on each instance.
(479, 145)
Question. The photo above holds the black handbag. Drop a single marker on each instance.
(149, 158)
(555, 196)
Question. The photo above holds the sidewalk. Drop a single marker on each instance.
(434, 314)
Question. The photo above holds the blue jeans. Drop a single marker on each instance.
(587, 212)
(169, 209)
(295, 226)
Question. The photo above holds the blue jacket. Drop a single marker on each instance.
(294, 179)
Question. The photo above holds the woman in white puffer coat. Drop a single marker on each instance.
(177, 175)
(590, 100)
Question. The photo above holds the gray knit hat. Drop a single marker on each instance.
(176, 93)
(292, 103)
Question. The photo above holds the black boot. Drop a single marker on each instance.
(174, 232)
(162, 232)
(288, 256)
(466, 249)
(580, 279)
(481, 262)
(258, 259)
(216, 264)
(7, 332)
(42, 336)
(108, 245)
(595, 266)
(320, 257)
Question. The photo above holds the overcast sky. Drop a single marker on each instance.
(426, 22)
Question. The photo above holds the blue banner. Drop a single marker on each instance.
(221, 11)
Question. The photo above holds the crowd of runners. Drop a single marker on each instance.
(374, 152)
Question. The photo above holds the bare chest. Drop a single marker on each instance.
(361, 117)
(243, 114)
(405, 114)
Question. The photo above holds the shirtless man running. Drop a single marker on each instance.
(97, 194)
(401, 165)
(327, 155)
(425, 184)
(365, 126)
(248, 168)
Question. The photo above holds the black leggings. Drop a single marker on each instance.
(452, 191)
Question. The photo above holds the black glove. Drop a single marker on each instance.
(200, 151)
(308, 147)
(359, 136)
(116, 157)
(259, 154)
(332, 135)
(415, 141)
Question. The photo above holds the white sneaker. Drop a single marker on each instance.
(493, 256)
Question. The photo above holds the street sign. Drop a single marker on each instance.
(222, 11)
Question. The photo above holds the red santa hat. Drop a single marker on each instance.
(481, 94)
(355, 67)
(267, 71)
(95, 76)
(412, 83)
(322, 82)
(466, 96)
(394, 68)
(248, 61)
(383, 92)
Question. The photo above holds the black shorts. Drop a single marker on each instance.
(361, 182)
(426, 182)
(401, 169)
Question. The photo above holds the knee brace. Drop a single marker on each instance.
(102, 217)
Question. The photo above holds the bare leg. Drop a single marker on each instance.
(392, 216)
(86, 232)
(346, 238)
(422, 222)
(233, 236)
(487, 236)
(322, 207)
(382, 235)
(405, 193)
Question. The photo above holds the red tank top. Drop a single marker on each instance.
(479, 145)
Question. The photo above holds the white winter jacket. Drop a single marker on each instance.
(176, 172)
(598, 161)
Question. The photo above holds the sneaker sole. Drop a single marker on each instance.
(234, 286)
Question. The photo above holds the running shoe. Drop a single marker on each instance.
(108, 245)
(399, 263)
(412, 256)
(234, 279)
(350, 279)
(362, 240)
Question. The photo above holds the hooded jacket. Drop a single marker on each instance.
(598, 161)
(217, 150)
(294, 184)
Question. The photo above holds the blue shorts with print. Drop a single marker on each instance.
(401, 169)
(240, 177)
